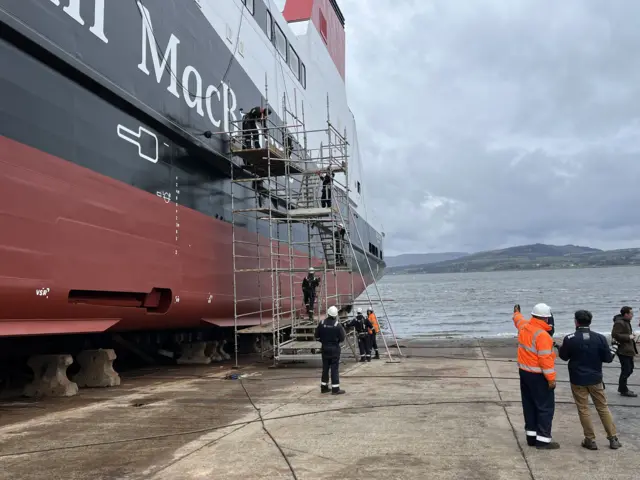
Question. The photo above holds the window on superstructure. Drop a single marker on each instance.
(269, 26)
(281, 41)
(358, 186)
(303, 75)
(323, 27)
(294, 62)
(250, 4)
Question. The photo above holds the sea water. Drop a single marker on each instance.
(481, 304)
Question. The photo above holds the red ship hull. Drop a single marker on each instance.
(82, 252)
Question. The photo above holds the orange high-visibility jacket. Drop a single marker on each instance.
(535, 349)
(519, 320)
(374, 322)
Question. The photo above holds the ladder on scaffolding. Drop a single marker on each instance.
(301, 230)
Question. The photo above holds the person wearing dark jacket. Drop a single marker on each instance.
(327, 180)
(250, 121)
(586, 350)
(309, 285)
(330, 333)
(362, 326)
(622, 334)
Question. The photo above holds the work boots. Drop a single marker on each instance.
(614, 443)
(547, 445)
(589, 444)
(324, 389)
(377, 357)
(628, 393)
(337, 391)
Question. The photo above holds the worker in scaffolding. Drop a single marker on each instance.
(327, 185)
(373, 332)
(250, 120)
(331, 334)
(362, 326)
(288, 145)
(309, 285)
(339, 234)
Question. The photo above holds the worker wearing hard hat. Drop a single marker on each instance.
(536, 361)
(331, 334)
(363, 327)
(373, 332)
(519, 321)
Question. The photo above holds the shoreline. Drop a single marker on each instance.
(390, 273)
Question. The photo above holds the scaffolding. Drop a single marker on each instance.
(285, 190)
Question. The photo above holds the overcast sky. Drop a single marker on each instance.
(490, 123)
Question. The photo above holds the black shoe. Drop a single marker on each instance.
(547, 446)
(377, 357)
(531, 441)
(614, 443)
(362, 360)
(324, 389)
(368, 359)
(589, 444)
(628, 393)
(337, 391)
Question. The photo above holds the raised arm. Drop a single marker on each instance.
(518, 320)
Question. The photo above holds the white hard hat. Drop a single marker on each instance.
(311, 270)
(358, 310)
(541, 310)
(341, 225)
(332, 311)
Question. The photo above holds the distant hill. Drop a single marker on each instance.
(407, 259)
(530, 257)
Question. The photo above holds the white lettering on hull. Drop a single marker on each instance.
(196, 101)
(73, 10)
(170, 53)
(193, 97)
(43, 292)
(211, 90)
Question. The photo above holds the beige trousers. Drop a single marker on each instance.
(581, 396)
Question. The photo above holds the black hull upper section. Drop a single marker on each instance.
(73, 95)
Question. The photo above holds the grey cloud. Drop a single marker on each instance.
(488, 123)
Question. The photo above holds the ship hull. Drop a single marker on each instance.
(71, 235)
(106, 231)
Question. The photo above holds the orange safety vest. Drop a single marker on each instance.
(535, 349)
(518, 320)
(374, 322)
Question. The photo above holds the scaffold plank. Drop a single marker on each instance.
(265, 211)
(310, 212)
(266, 327)
(263, 161)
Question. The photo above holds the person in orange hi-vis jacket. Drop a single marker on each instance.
(373, 331)
(536, 362)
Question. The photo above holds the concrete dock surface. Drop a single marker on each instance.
(450, 409)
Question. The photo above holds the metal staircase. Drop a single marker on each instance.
(304, 346)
